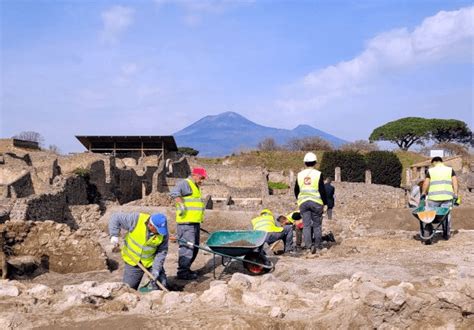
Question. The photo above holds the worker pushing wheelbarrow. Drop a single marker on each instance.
(245, 246)
(440, 193)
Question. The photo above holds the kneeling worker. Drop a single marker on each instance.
(266, 222)
(294, 219)
(146, 242)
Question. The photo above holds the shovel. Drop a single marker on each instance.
(147, 272)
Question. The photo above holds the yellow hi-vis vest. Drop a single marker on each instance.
(308, 182)
(289, 216)
(441, 183)
(138, 247)
(266, 223)
(194, 206)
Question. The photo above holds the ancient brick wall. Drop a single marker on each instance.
(21, 187)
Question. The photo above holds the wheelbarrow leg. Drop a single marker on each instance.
(214, 268)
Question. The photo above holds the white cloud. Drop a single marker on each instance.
(129, 69)
(195, 10)
(116, 20)
(444, 35)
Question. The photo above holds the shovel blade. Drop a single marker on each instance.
(427, 216)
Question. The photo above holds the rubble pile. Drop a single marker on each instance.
(154, 199)
(354, 302)
(55, 246)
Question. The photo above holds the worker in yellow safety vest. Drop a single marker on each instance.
(189, 216)
(311, 198)
(266, 222)
(294, 219)
(440, 189)
(146, 242)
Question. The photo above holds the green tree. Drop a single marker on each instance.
(404, 132)
(386, 168)
(352, 165)
(188, 151)
(450, 130)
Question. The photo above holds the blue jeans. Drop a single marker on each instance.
(286, 235)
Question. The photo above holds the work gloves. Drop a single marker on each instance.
(114, 240)
(422, 201)
(181, 209)
(457, 200)
(161, 277)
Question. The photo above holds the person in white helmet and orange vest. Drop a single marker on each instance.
(189, 216)
(311, 198)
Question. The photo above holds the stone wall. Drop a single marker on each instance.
(352, 200)
(225, 180)
(53, 205)
(280, 176)
(21, 187)
(74, 189)
(45, 166)
(86, 217)
(10, 144)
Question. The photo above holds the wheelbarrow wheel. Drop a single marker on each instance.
(428, 232)
(256, 269)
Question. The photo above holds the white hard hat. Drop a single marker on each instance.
(310, 157)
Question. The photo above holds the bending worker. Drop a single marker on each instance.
(266, 222)
(441, 185)
(145, 242)
(311, 196)
(189, 215)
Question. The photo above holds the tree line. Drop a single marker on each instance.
(405, 132)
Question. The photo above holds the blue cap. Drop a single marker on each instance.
(159, 221)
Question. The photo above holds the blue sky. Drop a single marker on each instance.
(152, 67)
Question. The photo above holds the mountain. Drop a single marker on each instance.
(223, 134)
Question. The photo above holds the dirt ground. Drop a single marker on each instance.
(324, 290)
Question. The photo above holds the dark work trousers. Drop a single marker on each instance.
(286, 235)
(312, 214)
(299, 236)
(329, 212)
(187, 254)
(132, 275)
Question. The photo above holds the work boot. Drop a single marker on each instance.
(189, 276)
(315, 248)
(330, 237)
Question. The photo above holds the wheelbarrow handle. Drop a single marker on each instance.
(204, 231)
(190, 244)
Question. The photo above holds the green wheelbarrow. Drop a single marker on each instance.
(245, 246)
(432, 220)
